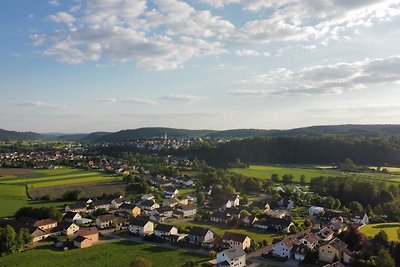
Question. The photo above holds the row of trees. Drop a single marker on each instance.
(11, 241)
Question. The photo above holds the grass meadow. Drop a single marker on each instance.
(113, 254)
(371, 230)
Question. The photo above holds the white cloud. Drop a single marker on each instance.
(54, 2)
(250, 52)
(183, 98)
(329, 79)
(247, 93)
(62, 17)
(44, 105)
(126, 100)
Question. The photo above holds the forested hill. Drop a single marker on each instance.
(302, 149)
(373, 130)
(18, 136)
(150, 132)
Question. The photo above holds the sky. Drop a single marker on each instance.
(77, 66)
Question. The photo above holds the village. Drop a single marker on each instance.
(184, 213)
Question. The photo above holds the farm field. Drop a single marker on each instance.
(220, 230)
(112, 254)
(13, 183)
(310, 171)
(265, 172)
(371, 230)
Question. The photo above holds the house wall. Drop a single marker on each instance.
(327, 253)
(281, 250)
(237, 262)
(71, 230)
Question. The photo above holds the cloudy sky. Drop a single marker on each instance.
(89, 65)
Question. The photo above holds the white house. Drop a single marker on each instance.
(105, 221)
(359, 217)
(236, 240)
(232, 257)
(141, 227)
(162, 230)
(284, 248)
(72, 216)
(187, 210)
(147, 197)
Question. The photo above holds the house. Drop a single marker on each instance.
(77, 207)
(282, 225)
(91, 233)
(232, 257)
(141, 227)
(132, 209)
(249, 220)
(147, 197)
(187, 210)
(165, 212)
(338, 226)
(41, 224)
(300, 252)
(36, 233)
(261, 205)
(310, 240)
(72, 216)
(117, 202)
(284, 248)
(235, 213)
(359, 217)
(198, 235)
(165, 230)
(279, 214)
(233, 201)
(315, 211)
(105, 221)
(101, 204)
(149, 205)
(325, 234)
(236, 240)
(171, 202)
(82, 242)
(171, 192)
(220, 217)
(335, 249)
(66, 228)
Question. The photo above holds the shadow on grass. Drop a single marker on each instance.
(388, 225)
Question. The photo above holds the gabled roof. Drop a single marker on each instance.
(188, 207)
(139, 222)
(339, 245)
(78, 205)
(63, 225)
(163, 227)
(121, 200)
(127, 206)
(234, 253)
(70, 215)
(237, 237)
(80, 239)
(199, 231)
(106, 217)
(358, 214)
(148, 203)
(87, 231)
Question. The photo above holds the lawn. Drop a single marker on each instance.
(371, 230)
(265, 172)
(221, 228)
(112, 254)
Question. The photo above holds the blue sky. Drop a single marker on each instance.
(90, 65)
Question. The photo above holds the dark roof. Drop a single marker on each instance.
(16, 225)
(101, 202)
(163, 227)
(106, 217)
(199, 231)
(148, 203)
(221, 215)
(188, 207)
(77, 205)
(358, 214)
(122, 199)
(278, 222)
(139, 222)
(237, 237)
(127, 206)
(63, 225)
(70, 215)
(80, 239)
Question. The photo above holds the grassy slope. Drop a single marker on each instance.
(111, 254)
(371, 230)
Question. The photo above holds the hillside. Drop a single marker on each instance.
(151, 132)
(18, 136)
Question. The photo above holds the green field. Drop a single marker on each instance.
(310, 171)
(371, 230)
(13, 183)
(112, 254)
(265, 172)
(220, 229)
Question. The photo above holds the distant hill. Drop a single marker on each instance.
(151, 132)
(373, 130)
(72, 137)
(18, 136)
(95, 136)
(240, 133)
